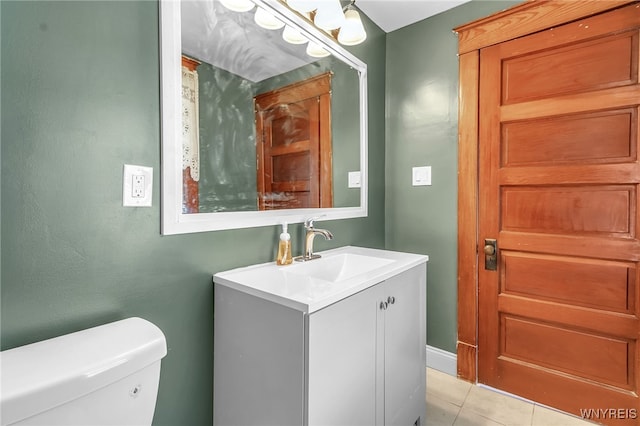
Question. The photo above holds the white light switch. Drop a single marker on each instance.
(137, 186)
(354, 179)
(421, 176)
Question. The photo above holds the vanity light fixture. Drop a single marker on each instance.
(329, 16)
(342, 24)
(238, 5)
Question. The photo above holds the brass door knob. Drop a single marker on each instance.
(489, 250)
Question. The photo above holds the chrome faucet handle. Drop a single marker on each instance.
(308, 223)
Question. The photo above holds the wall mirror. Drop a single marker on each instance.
(255, 131)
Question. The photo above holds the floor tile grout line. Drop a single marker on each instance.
(533, 406)
(457, 414)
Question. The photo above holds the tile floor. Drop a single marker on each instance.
(453, 402)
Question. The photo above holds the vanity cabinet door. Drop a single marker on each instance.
(405, 347)
(258, 361)
(342, 362)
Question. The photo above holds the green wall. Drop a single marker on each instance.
(80, 98)
(421, 130)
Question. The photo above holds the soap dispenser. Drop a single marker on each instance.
(284, 247)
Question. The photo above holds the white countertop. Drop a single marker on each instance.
(287, 286)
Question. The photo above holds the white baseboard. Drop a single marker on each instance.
(442, 360)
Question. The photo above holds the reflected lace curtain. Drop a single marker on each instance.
(190, 137)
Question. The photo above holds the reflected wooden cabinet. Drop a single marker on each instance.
(360, 361)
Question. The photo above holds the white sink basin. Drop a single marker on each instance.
(339, 267)
(315, 284)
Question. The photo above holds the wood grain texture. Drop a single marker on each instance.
(466, 362)
(577, 67)
(527, 18)
(467, 207)
(571, 139)
(583, 354)
(592, 283)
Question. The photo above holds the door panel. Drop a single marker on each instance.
(577, 67)
(558, 188)
(592, 283)
(602, 358)
(570, 140)
(561, 209)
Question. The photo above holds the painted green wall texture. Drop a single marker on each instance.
(422, 129)
(80, 98)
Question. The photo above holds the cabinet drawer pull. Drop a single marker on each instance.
(391, 300)
(383, 306)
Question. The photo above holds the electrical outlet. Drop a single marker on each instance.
(137, 186)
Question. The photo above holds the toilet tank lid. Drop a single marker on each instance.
(42, 375)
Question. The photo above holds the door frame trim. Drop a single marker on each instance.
(518, 21)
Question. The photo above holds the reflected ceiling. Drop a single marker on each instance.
(234, 42)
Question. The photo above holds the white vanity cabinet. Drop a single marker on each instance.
(321, 354)
(366, 356)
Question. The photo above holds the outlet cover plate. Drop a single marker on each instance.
(137, 186)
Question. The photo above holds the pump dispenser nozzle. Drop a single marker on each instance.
(284, 247)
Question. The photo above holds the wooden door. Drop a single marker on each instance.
(293, 145)
(558, 188)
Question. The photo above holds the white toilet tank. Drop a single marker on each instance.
(106, 375)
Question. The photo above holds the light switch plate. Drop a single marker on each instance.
(137, 186)
(421, 176)
(354, 180)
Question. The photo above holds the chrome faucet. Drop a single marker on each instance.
(308, 240)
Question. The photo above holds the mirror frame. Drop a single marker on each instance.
(173, 221)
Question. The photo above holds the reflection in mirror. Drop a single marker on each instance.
(266, 131)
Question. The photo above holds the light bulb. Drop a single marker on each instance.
(329, 15)
(267, 20)
(352, 32)
(238, 5)
(303, 6)
(293, 36)
(317, 51)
